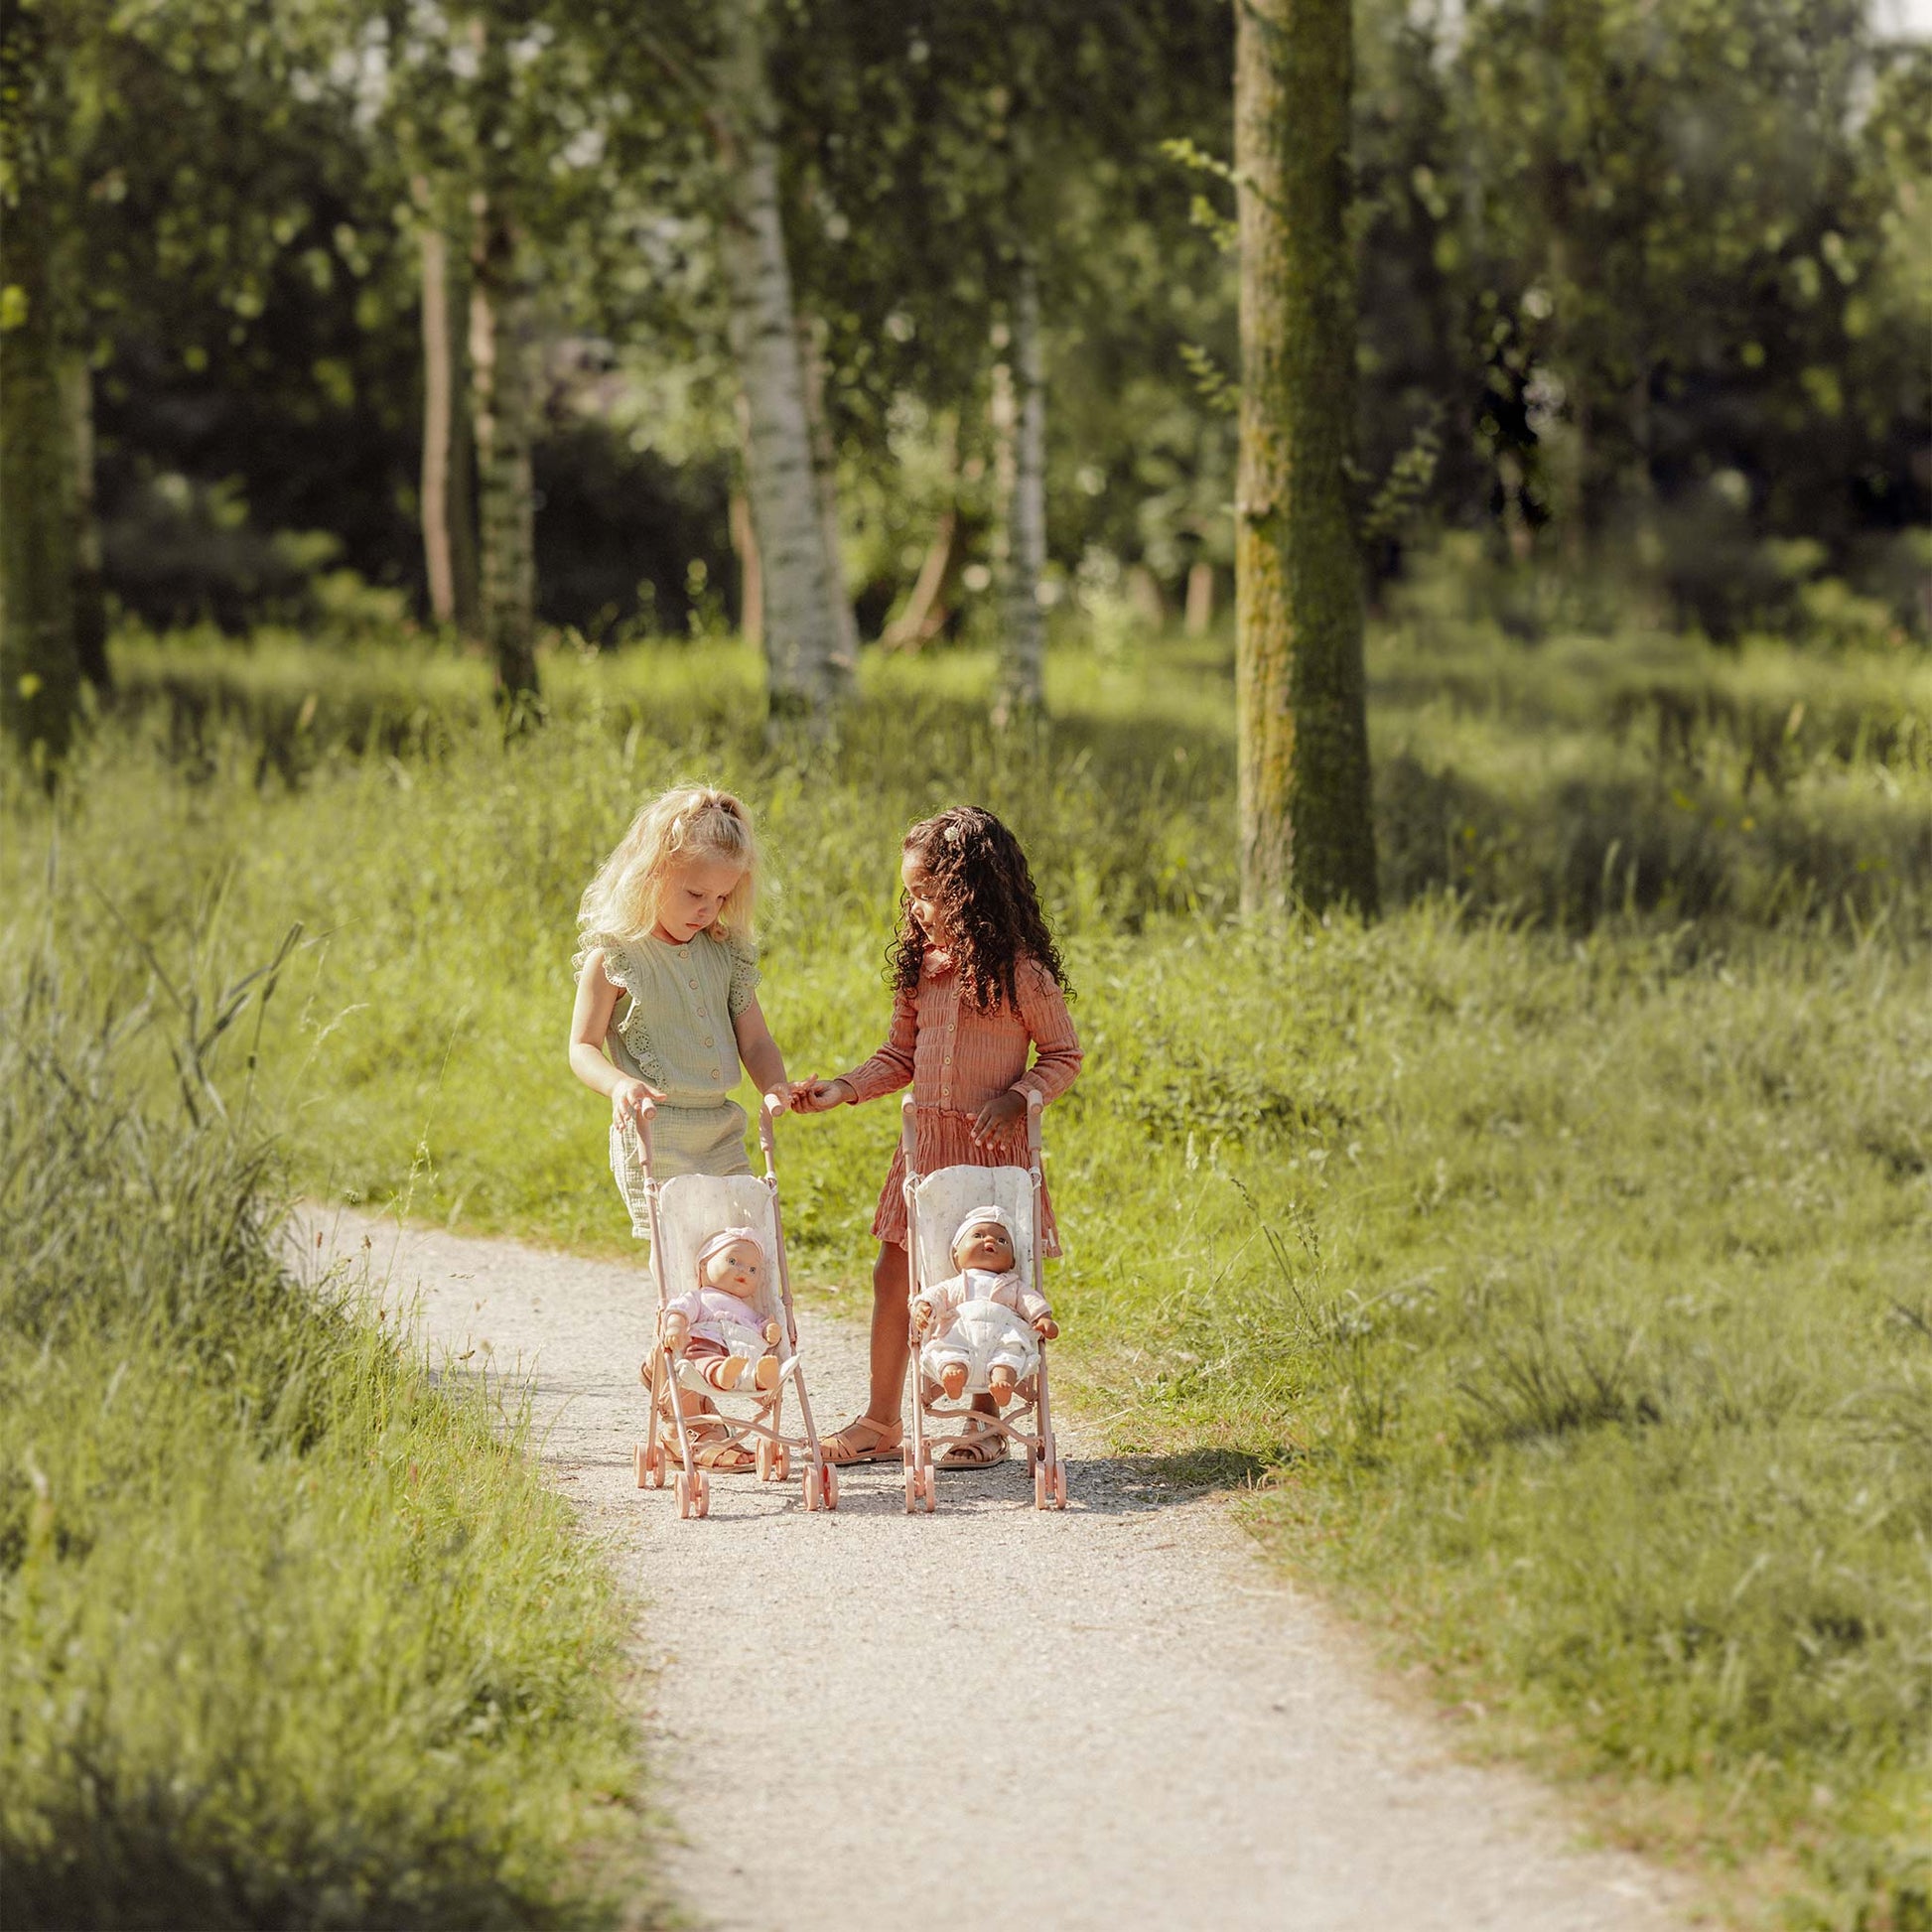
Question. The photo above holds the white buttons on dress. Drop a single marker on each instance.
(708, 1040)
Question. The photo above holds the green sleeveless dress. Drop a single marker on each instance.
(673, 1028)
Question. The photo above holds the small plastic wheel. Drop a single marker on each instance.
(703, 1500)
(928, 1481)
(1040, 1486)
(780, 1463)
(643, 1465)
(1060, 1485)
(762, 1456)
(683, 1495)
(914, 1487)
(831, 1486)
(654, 1463)
(811, 1487)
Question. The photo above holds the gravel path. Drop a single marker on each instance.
(1117, 1718)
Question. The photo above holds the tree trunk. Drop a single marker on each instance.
(90, 573)
(1305, 830)
(449, 516)
(750, 582)
(439, 414)
(801, 625)
(825, 481)
(1200, 597)
(40, 670)
(925, 609)
(1020, 547)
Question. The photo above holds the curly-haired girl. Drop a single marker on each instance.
(977, 980)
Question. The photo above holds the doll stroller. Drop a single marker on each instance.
(936, 1204)
(677, 1216)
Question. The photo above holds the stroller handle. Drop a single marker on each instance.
(768, 1113)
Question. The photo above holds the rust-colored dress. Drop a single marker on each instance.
(957, 1059)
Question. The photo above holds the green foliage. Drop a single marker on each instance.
(1556, 1242)
(292, 1637)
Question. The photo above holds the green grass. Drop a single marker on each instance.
(292, 1638)
(1557, 1243)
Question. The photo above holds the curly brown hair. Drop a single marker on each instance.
(988, 905)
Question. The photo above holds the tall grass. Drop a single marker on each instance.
(1554, 1248)
(291, 1637)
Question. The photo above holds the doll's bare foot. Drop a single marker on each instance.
(952, 1378)
(726, 1372)
(999, 1385)
(766, 1375)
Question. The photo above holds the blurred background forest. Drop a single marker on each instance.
(1645, 304)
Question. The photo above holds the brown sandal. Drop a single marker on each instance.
(712, 1448)
(852, 1445)
(976, 1446)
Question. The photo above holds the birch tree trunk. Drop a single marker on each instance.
(801, 626)
(89, 573)
(825, 484)
(1020, 546)
(1305, 830)
(39, 671)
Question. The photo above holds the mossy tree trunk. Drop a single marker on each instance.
(502, 390)
(1020, 544)
(40, 669)
(802, 633)
(447, 499)
(1305, 830)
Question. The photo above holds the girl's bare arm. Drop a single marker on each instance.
(760, 1052)
(590, 1021)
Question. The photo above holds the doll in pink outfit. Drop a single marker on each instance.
(983, 1321)
(716, 1324)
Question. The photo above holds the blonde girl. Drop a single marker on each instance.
(668, 980)
(667, 1002)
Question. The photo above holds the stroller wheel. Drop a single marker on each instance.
(643, 1465)
(1041, 1487)
(780, 1463)
(810, 1487)
(704, 1494)
(928, 1481)
(683, 1495)
(1060, 1485)
(915, 1489)
(764, 1458)
(654, 1463)
(831, 1486)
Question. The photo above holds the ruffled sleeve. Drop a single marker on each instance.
(745, 978)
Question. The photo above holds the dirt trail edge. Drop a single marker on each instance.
(1118, 1717)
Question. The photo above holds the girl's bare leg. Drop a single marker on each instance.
(889, 1344)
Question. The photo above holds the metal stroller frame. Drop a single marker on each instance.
(1049, 1472)
(669, 1435)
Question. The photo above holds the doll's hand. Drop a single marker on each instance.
(627, 1098)
(1045, 1326)
(999, 1123)
(677, 1332)
(819, 1096)
(770, 1333)
(922, 1315)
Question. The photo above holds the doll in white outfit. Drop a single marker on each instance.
(716, 1324)
(983, 1322)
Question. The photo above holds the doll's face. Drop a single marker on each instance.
(985, 1245)
(737, 1268)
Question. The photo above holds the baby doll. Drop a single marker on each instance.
(986, 1317)
(716, 1324)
